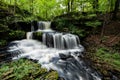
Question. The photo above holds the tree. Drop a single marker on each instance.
(95, 5)
(116, 8)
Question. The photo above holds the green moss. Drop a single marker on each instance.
(52, 76)
(25, 69)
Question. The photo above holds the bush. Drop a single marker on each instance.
(93, 24)
(3, 43)
(3, 28)
(17, 35)
(80, 32)
(65, 25)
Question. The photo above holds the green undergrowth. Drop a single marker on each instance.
(24, 69)
(108, 56)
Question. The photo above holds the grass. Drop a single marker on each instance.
(24, 69)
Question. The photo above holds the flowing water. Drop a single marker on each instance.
(58, 51)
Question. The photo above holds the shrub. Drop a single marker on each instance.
(93, 24)
(3, 43)
(17, 35)
(74, 30)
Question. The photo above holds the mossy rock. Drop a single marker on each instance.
(37, 36)
(52, 76)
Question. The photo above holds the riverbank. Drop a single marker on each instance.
(104, 52)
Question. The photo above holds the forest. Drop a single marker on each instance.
(60, 39)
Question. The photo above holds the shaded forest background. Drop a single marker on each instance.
(96, 22)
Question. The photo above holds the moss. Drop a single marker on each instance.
(24, 69)
(52, 75)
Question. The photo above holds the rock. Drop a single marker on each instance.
(64, 56)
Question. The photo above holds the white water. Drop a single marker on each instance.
(58, 51)
(29, 35)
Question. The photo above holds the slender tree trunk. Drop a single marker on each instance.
(15, 4)
(31, 6)
(116, 9)
(68, 6)
(95, 5)
(72, 4)
(10, 1)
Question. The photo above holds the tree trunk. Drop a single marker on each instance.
(31, 6)
(72, 4)
(15, 4)
(95, 5)
(68, 6)
(116, 9)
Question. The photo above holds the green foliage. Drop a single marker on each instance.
(91, 16)
(3, 28)
(48, 9)
(93, 24)
(3, 43)
(17, 35)
(52, 76)
(108, 56)
(74, 30)
(24, 69)
(63, 24)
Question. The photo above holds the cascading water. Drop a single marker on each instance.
(29, 35)
(44, 26)
(57, 51)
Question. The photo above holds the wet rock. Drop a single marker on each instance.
(64, 56)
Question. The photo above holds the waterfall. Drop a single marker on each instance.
(61, 41)
(58, 51)
(43, 25)
(29, 35)
(32, 28)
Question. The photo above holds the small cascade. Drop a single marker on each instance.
(57, 51)
(32, 28)
(43, 25)
(29, 35)
(61, 41)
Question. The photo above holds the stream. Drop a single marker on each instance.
(57, 51)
